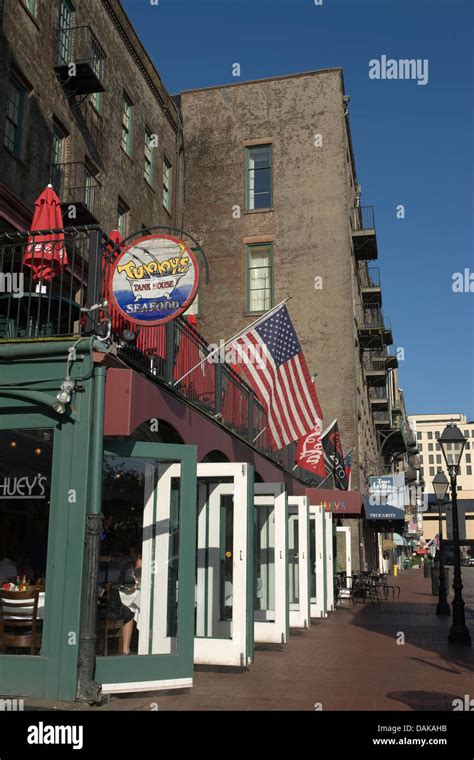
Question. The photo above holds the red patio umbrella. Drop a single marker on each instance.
(46, 254)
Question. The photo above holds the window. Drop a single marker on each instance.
(431, 459)
(259, 177)
(465, 433)
(167, 169)
(438, 458)
(14, 118)
(98, 68)
(122, 217)
(468, 445)
(259, 276)
(468, 458)
(58, 156)
(31, 5)
(194, 308)
(150, 146)
(432, 472)
(127, 110)
(430, 436)
(430, 447)
(437, 434)
(66, 16)
(469, 470)
(418, 436)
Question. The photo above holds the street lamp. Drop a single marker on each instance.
(440, 487)
(452, 444)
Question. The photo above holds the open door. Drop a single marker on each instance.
(317, 562)
(223, 607)
(329, 548)
(156, 526)
(271, 566)
(298, 561)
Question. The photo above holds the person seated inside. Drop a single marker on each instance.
(130, 578)
(8, 570)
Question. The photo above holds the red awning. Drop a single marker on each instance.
(342, 503)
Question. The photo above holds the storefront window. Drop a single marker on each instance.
(265, 563)
(25, 485)
(138, 573)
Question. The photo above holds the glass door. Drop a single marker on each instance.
(328, 534)
(298, 561)
(271, 566)
(343, 558)
(317, 574)
(146, 574)
(224, 570)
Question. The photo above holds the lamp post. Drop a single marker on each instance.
(440, 486)
(452, 444)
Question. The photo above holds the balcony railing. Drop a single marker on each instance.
(381, 418)
(375, 362)
(378, 394)
(363, 218)
(79, 190)
(37, 306)
(363, 233)
(369, 277)
(79, 60)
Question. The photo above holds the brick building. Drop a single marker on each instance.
(272, 190)
(85, 109)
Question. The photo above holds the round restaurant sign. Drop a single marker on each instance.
(154, 280)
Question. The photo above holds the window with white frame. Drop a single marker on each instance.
(167, 170)
(259, 177)
(127, 114)
(259, 276)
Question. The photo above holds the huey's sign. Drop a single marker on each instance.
(154, 280)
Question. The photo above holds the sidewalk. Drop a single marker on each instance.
(350, 661)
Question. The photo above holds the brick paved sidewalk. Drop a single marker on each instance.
(350, 661)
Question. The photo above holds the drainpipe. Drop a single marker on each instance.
(87, 689)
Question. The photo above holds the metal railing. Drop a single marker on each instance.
(78, 44)
(369, 277)
(77, 185)
(63, 295)
(381, 417)
(375, 362)
(363, 218)
(378, 394)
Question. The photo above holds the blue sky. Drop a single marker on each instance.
(413, 144)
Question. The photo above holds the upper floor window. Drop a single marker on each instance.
(14, 117)
(32, 6)
(66, 22)
(150, 145)
(259, 177)
(259, 276)
(127, 112)
(167, 169)
(122, 217)
(98, 65)
(58, 156)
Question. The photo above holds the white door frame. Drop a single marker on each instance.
(318, 607)
(345, 529)
(230, 651)
(301, 617)
(329, 561)
(276, 630)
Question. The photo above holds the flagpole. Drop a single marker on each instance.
(234, 337)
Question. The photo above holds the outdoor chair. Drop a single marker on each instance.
(19, 625)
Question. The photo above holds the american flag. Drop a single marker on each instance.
(279, 375)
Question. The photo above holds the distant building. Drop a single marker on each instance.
(428, 428)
